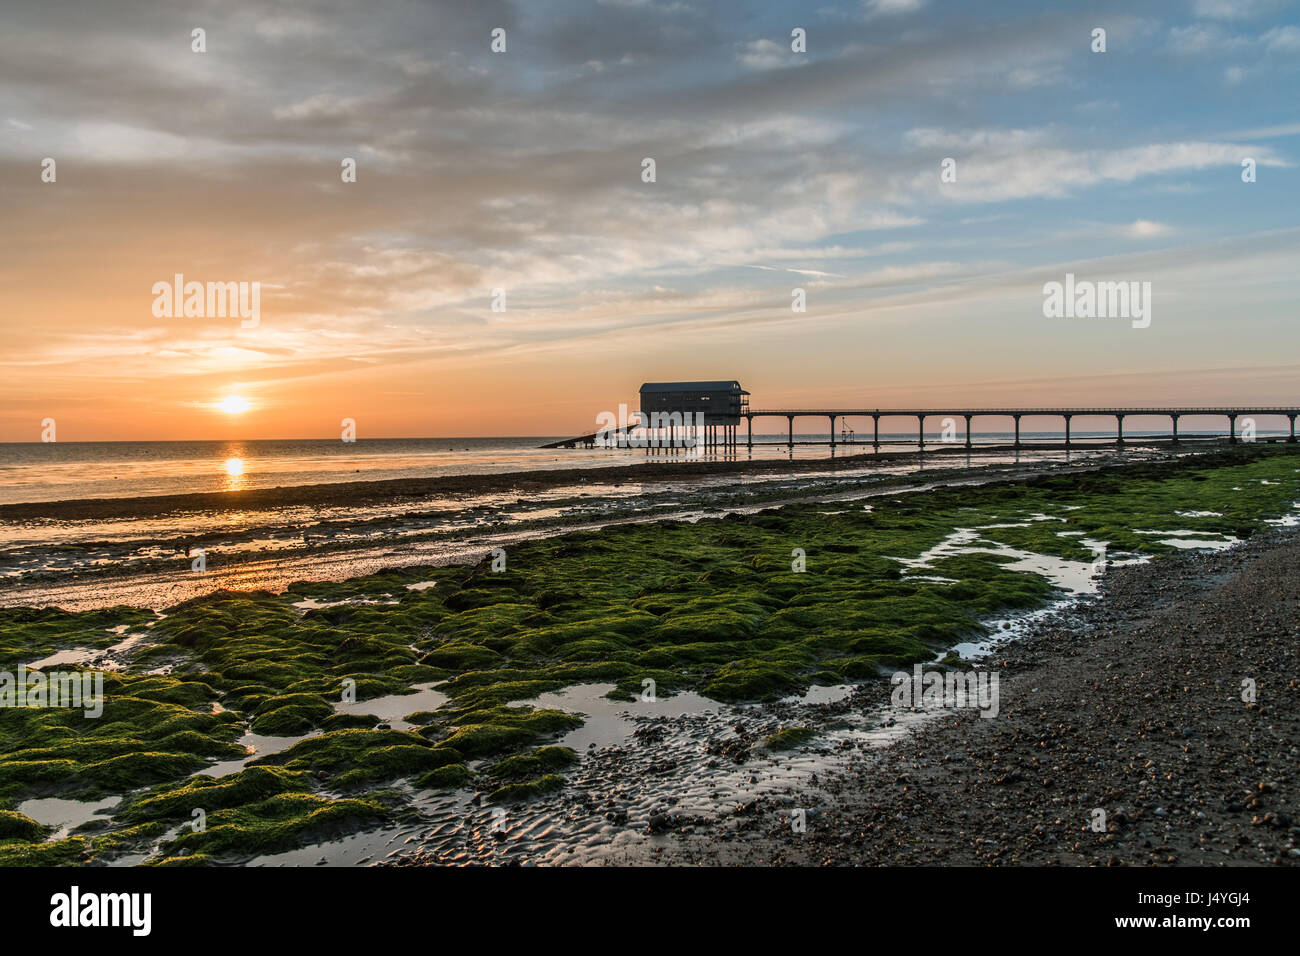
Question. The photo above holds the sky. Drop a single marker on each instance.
(517, 179)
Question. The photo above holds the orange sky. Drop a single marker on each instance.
(524, 173)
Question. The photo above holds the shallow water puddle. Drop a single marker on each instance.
(1004, 629)
(311, 604)
(391, 708)
(607, 722)
(65, 815)
(1076, 577)
(67, 656)
(824, 694)
(103, 657)
(1207, 544)
(1288, 520)
(639, 759)
(256, 745)
(1192, 540)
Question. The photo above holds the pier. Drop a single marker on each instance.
(715, 409)
(1015, 414)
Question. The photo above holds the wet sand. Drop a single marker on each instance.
(360, 493)
(106, 561)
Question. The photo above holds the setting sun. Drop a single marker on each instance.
(234, 405)
(234, 467)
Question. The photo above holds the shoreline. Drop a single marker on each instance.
(158, 586)
(357, 493)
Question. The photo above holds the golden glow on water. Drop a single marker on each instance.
(235, 466)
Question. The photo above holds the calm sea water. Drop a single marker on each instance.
(60, 471)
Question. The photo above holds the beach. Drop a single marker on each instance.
(93, 553)
(666, 675)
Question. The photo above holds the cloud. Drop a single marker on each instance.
(1197, 39)
(766, 55)
(1014, 164)
(1145, 229)
(1282, 39)
(1233, 9)
(1266, 132)
(876, 8)
(523, 170)
(994, 139)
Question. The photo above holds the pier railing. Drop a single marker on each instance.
(921, 414)
(727, 435)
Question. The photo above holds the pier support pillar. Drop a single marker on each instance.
(749, 431)
(1232, 429)
(1119, 429)
(875, 432)
(968, 420)
(1292, 438)
(1174, 419)
(832, 433)
(920, 432)
(1067, 431)
(1017, 419)
(791, 418)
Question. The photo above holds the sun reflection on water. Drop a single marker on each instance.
(234, 474)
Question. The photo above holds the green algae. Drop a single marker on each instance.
(177, 802)
(540, 762)
(17, 826)
(195, 859)
(28, 634)
(789, 738)
(289, 715)
(78, 848)
(153, 728)
(714, 606)
(449, 777)
(517, 792)
(484, 733)
(349, 758)
(280, 822)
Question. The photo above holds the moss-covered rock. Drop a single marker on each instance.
(16, 826)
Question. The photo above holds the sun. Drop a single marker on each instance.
(234, 405)
(234, 467)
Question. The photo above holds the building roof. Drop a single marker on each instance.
(693, 387)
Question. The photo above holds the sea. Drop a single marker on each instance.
(66, 471)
